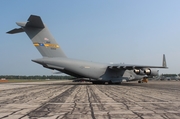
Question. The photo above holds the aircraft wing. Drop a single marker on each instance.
(130, 66)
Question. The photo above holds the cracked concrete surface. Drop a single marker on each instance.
(72, 100)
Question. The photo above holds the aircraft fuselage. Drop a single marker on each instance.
(87, 69)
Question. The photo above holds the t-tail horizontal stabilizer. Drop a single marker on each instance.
(40, 36)
(33, 21)
(16, 30)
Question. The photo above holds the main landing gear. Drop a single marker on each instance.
(98, 82)
(109, 82)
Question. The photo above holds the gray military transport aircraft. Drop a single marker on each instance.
(97, 73)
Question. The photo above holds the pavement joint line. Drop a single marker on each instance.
(157, 102)
(109, 103)
(83, 103)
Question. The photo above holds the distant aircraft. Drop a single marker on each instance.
(169, 77)
(97, 73)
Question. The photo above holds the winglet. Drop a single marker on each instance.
(164, 61)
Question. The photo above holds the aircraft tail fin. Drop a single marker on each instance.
(164, 61)
(40, 36)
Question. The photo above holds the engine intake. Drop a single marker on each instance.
(138, 72)
(151, 72)
(147, 71)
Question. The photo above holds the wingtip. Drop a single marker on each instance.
(164, 64)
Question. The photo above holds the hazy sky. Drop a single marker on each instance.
(119, 31)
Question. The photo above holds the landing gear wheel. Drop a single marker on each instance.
(110, 82)
(139, 81)
(98, 82)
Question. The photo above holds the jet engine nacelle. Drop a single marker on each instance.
(151, 72)
(139, 72)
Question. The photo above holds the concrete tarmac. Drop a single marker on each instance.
(73, 100)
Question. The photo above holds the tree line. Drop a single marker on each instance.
(35, 77)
